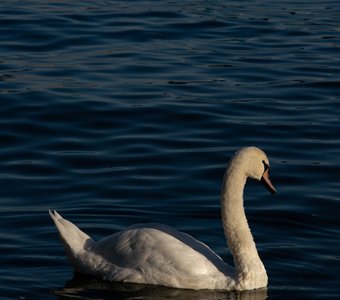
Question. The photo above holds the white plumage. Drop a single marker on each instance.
(158, 254)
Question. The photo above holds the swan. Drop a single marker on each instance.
(160, 255)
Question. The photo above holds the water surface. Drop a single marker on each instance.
(119, 112)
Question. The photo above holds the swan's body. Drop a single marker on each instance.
(158, 254)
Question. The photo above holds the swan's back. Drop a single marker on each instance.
(146, 253)
(159, 254)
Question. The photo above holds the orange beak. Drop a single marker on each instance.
(267, 183)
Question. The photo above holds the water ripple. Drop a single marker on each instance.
(118, 112)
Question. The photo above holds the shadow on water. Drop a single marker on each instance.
(83, 287)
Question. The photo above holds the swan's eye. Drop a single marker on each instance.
(266, 166)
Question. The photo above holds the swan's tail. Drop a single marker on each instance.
(75, 241)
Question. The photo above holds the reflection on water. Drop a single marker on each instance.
(82, 287)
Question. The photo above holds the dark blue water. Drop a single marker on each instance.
(119, 112)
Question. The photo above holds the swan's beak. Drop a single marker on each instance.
(267, 183)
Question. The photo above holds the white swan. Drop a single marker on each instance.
(160, 255)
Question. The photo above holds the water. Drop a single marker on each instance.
(119, 112)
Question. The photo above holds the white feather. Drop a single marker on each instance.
(158, 254)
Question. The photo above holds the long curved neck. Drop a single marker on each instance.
(249, 269)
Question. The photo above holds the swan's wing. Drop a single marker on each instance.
(160, 250)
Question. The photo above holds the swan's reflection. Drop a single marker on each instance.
(82, 287)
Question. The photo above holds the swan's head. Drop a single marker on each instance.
(255, 164)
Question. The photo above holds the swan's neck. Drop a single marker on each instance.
(249, 269)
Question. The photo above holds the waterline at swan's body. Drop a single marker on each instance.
(158, 254)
